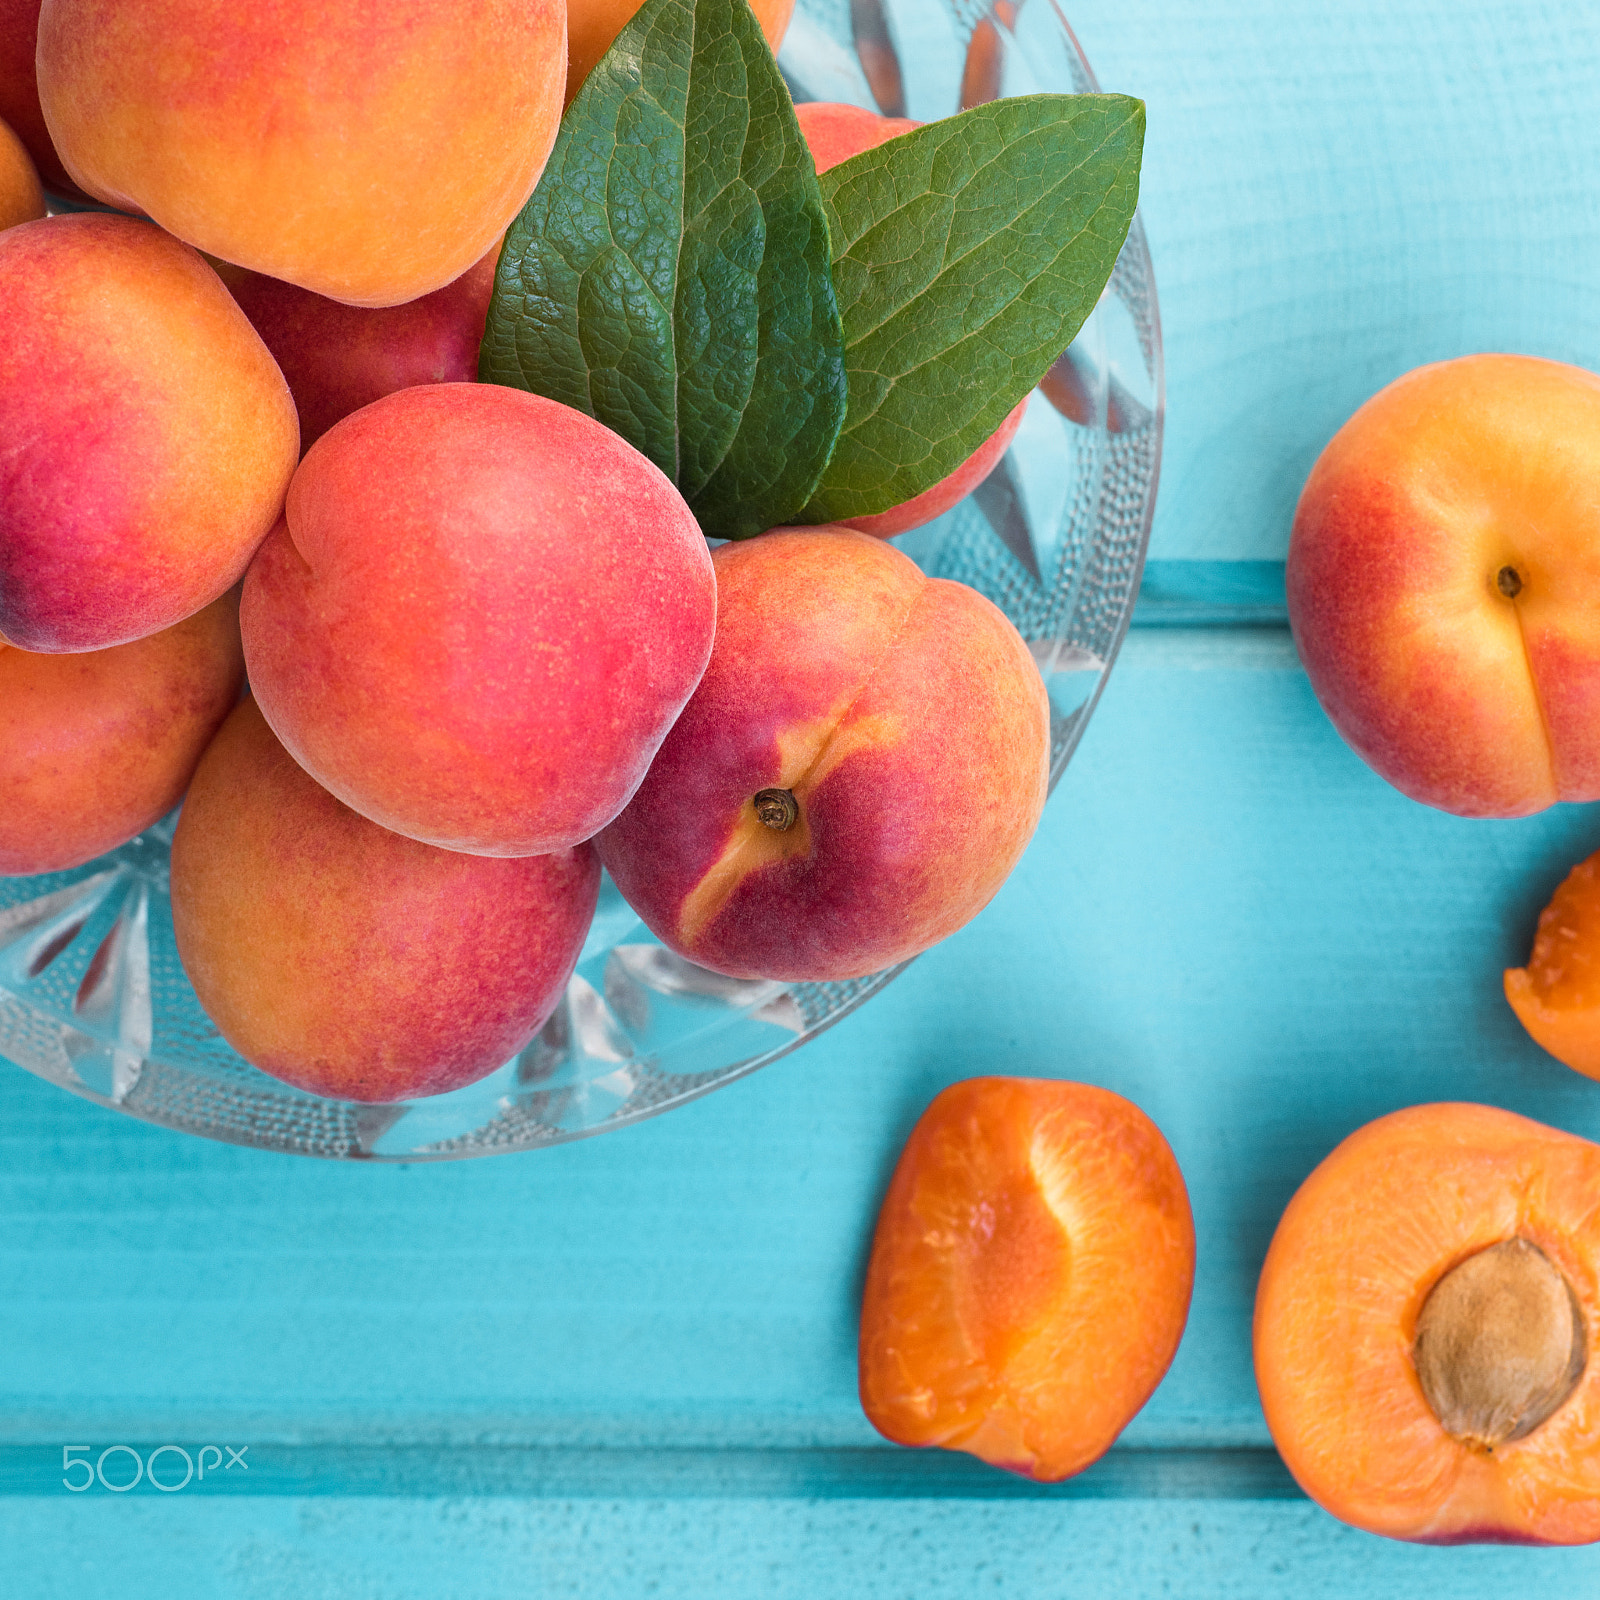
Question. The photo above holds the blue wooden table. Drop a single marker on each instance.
(625, 1367)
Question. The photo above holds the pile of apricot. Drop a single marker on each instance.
(244, 438)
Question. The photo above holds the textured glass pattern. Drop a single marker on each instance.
(93, 997)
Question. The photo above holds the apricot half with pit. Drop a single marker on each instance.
(1030, 1275)
(1425, 1330)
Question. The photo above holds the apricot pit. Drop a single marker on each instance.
(1500, 1344)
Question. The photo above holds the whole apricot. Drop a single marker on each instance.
(1030, 1275)
(149, 434)
(478, 617)
(1441, 577)
(347, 960)
(859, 770)
(96, 746)
(1425, 1325)
(833, 133)
(371, 153)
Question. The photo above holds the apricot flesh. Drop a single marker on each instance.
(21, 198)
(1030, 1275)
(97, 745)
(149, 434)
(905, 719)
(371, 153)
(1441, 575)
(347, 960)
(1557, 995)
(1421, 1364)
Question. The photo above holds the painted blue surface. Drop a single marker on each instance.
(1224, 916)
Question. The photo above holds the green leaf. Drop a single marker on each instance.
(670, 274)
(966, 256)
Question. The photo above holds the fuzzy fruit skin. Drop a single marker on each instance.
(1030, 1275)
(1462, 697)
(1365, 1238)
(97, 746)
(156, 434)
(21, 198)
(19, 91)
(338, 358)
(833, 133)
(347, 960)
(304, 140)
(910, 722)
(479, 618)
(592, 25)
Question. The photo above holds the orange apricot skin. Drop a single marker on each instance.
(907, 717)
(19, 91)
(338, 358)
(96, 746)
(592, 26)
(1462, 697)
(21, 198)
(371, 153)
(1030, 1275)
(149, 434)
(1557, 995)
(347, 960)
(1360, 1246)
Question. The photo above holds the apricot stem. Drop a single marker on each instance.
(778, 809)
(1509, 582)
(1500, 1344)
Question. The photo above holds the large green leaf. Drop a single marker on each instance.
(670, 275)
(966, 256)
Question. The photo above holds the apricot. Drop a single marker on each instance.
(338, 358)
(1557, 995)
(19, 91)
(592, 26)
(347, 960)
(21, 198)
(1441, 576)
(834, 133)
(1030, 1275)
(150, 436)
(371, 153)
(95, 747)
(1424, 1327)
(478, 618)
(859, 770)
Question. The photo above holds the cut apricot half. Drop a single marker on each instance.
(1030, 1275)
(1557, 995)
(1425, 1330)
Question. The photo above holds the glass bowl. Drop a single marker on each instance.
(92, 995)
